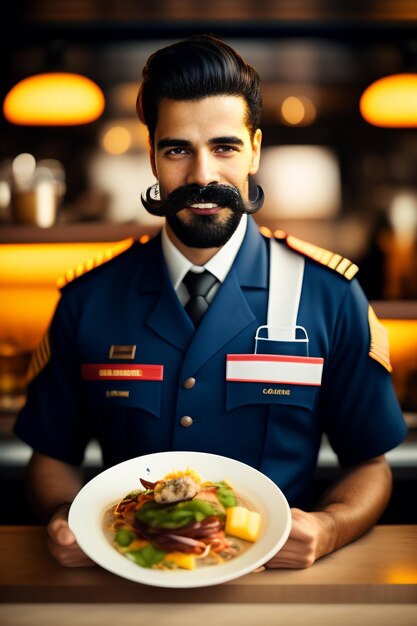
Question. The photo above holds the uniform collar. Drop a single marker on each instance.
(219, 265)
(249, 271)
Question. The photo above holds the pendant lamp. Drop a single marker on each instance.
(391, 102)
(54, 99)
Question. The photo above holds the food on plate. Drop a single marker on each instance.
(240, 522)
(181, 522)
(175, 489)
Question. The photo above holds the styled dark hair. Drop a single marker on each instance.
(193, 69)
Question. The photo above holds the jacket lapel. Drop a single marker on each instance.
(229, 314)
(167, 318)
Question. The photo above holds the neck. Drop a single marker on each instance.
(197, 256)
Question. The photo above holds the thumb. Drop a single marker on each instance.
(58, 529)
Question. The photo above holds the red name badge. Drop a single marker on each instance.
(104, 371)
(274, 368)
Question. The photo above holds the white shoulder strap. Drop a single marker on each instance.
(286, 270)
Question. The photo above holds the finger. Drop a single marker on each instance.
(281, 557)
(285, 564)
(294, 559)
(69, 556)
(60, 532)
(64, 536)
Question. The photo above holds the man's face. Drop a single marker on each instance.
(204, 142)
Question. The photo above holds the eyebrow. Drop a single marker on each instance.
(237, 141)
(171, 142)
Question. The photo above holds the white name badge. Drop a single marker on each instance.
(274, 368)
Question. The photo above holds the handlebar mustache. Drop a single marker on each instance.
(223, 195)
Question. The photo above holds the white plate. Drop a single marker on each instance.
(86, 514)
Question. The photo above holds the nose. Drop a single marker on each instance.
(202, 170)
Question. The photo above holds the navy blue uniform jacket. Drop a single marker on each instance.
(129, 301)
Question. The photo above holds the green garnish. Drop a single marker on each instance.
(124, 537)
(225, 494)
(147, 556)
(176, 515)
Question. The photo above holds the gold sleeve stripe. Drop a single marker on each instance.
(40, 358)
(379, 348)
(336, 262)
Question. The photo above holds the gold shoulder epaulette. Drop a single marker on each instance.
(334, 261)
(89, 264)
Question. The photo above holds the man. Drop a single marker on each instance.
(321, 362)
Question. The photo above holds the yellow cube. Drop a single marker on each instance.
(185, 561)
(242, 523)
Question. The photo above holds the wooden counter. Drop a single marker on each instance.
(372, 582)
(381, 567)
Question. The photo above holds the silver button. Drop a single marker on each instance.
(186, 421)
(189, 383)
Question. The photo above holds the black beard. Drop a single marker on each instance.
(204, 231)
(224, 196)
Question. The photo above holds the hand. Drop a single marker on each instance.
(61, 541)
(305, 544)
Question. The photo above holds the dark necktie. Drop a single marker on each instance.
(198, 285)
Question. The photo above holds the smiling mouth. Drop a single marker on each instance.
(204, 205)
(204, 208)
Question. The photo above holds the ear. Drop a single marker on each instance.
(151, 152)
(256, 152)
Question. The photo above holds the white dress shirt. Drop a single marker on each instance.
(218, 265)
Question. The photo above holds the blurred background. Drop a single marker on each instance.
(339, 162)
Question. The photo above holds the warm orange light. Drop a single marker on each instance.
(402, 335)
(30, 273)
(403, 340)
(298, 111)
(117, 140)
(405, 575)
(54, 99)
(391, 102)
